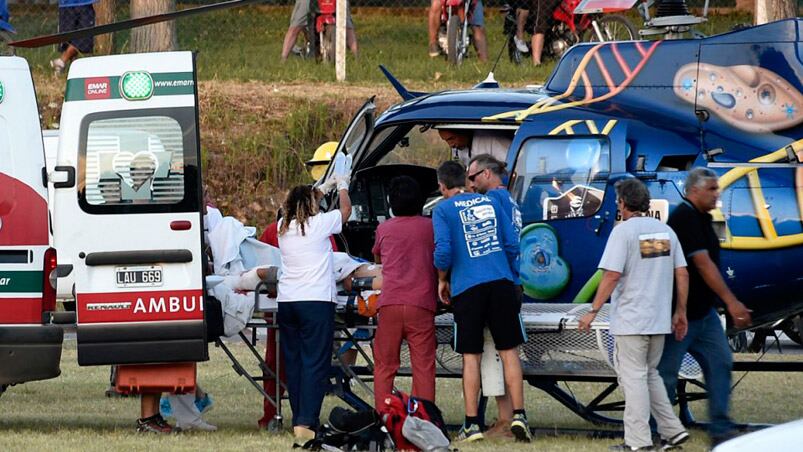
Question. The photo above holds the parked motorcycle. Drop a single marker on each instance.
(454, 34)
(320, 32)
(568, 29)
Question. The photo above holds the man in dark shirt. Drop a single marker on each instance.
(705, 339)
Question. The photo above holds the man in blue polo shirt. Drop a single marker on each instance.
(476, 252)
(74, 15)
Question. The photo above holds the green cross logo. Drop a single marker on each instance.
(2, 91)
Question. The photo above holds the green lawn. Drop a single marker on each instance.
(245, 43)
(71, 413)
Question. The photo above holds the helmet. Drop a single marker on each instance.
(320, 159)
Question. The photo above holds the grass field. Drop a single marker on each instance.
(245, 44)
(71, 413)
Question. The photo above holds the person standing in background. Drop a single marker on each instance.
(74, 15)
(706, 340)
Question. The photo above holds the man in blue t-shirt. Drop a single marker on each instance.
(475, 253)
(74, 15)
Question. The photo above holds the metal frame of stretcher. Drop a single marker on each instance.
(555, 352)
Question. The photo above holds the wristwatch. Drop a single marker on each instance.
(593, 311)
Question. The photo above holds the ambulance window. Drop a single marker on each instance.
(141, 162)
(561, 178)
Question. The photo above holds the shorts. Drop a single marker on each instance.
(541, 12)
(478, 15)
(495, 304)
(301, 11)
(73, 18)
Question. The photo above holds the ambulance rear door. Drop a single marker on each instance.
(128, 208)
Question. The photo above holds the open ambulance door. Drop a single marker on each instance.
(563, 179)
(128, 208)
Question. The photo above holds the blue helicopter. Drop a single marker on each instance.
(645, 109)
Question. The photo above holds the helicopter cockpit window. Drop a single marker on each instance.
(421, 146)
(561, 178)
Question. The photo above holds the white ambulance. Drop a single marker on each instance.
(127, 208)
(30, 348)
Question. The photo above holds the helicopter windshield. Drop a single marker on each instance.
(561, 178)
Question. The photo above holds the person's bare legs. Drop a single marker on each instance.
(537, 47)
(504, 408)
(69, 54)
(434, 22)
(480, 43)
(290, 40)
(471, 382)
(351, 41)
(149, 405)
(521, 21)
(514, 383)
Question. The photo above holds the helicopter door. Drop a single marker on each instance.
(564, 187)
(356, 137)
(128, 212)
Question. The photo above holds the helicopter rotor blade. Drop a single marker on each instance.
(40, 41)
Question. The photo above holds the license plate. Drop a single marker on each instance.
(138, 276)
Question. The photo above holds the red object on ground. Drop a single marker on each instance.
(176, 378)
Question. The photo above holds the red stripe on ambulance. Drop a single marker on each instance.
(21, 310)
(140, 306)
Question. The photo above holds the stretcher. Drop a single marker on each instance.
(555, 352)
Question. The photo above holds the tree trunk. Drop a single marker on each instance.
(159, 37)
(772, 10)
(104, 14)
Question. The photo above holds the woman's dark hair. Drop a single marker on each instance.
(634, 194)
(405, 197)
(452, 174)
(300, 205)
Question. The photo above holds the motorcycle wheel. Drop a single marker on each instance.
(453, 40)
(513, 51)
(614, 27)
(328, 44)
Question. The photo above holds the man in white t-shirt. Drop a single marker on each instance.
(466, 144)
(641, 260)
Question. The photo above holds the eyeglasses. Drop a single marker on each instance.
(471, 177)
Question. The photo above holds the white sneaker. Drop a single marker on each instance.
(521, 45)
(57, 65)
(200, 424)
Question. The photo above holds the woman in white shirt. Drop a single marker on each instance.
(306, 296)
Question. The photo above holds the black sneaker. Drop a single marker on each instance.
(521, 428)
(675, 441)
(153, 424)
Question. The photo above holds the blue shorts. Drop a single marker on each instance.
(478, 16)
(75, 18)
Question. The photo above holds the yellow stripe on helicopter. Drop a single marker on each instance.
(770, 238)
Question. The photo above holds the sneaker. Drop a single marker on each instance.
(204, 404)
(153, 424)
(499, 430)
(675, 441)
(199, 424)
(521, 45)
(434, 50)
(165, 409)
(520, 428)
(469, 434)
(57, 65)
(624, 447)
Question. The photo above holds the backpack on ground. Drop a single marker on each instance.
(395, 410)
(350, 430)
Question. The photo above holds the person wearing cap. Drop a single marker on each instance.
(320, 159)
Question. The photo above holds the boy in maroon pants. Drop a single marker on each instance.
(404, 246)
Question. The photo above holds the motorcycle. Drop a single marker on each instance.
(454, 34)
(320, 32)
(568, 29)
